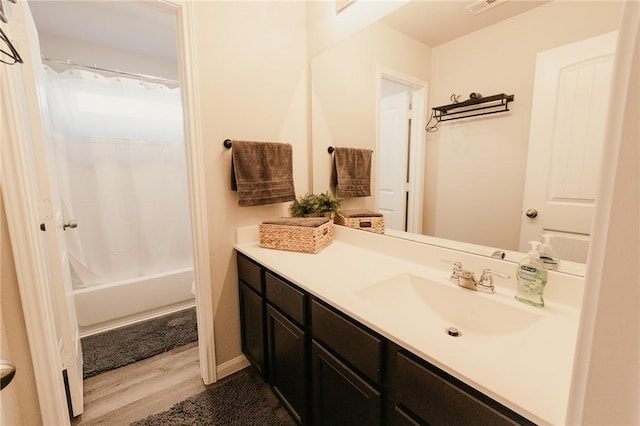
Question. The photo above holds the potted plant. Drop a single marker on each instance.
(314, 205)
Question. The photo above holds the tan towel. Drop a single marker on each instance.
(262, 172)
(352, 171)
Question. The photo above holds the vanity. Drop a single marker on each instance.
(361, 333)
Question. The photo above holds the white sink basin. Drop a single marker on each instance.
(449, 305)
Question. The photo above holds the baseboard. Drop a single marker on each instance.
(232, 366)
(133, 319)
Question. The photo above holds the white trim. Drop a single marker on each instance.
(197, 193)
(418, 140)
(19, 190)
(610, 261)
(232, 366)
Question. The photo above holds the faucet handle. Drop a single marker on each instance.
(486, 279)
(456, 271)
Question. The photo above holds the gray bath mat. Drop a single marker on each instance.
(117, 348)
(236, 401)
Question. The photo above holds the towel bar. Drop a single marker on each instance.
(227, 143)
(330, 149)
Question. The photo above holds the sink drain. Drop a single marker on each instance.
(453, 332)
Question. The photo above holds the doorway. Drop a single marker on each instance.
(401, 105)
(44, 298)
(118, 153)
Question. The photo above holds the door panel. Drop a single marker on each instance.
(393, 157)
(571, 91)
(50, 211)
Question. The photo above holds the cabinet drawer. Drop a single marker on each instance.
(438, 402)
(357, 346)
(250, 273)
(287, 298)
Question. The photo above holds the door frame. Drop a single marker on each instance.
(418, 89)
(20, 193)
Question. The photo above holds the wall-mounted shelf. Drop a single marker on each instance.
(473, 107)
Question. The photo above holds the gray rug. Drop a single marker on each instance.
(117, 348)
(236, 401)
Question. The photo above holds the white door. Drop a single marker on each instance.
(393, 154)
(53, 222)
(570, 100)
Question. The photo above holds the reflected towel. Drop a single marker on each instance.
(352, 170)
(262, 172)
(308, 222)
(355, 213)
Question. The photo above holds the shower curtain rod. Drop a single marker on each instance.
(96, 68)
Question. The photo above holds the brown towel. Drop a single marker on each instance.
(262, 172)
(352, 168)
(308, 222)
(359, 213)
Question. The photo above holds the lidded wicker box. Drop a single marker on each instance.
(364, 219)
(301, 234)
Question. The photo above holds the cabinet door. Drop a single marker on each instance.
(340, 396)
(287, 363)
(252, 327)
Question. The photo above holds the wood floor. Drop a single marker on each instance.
(151, 386)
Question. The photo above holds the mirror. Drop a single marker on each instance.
(472, 171)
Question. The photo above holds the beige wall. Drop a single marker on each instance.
(467, 157)
(344, 95)
(325, 27)
(252, 70)
(19, 401)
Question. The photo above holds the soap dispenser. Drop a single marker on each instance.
(532, 278)
(546, 253)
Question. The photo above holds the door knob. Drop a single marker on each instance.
(7, 371)
(532, 213)
(70, 224)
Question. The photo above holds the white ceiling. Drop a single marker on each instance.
(146, 28)
(131, 25)
(434, 22)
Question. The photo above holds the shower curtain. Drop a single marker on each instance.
(120, 162)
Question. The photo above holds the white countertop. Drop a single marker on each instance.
(526, 369)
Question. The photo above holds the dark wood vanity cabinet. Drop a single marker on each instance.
(328, 369)
(273, 334)
(287, 345)
(435, 398)
(340, 396)
(252, 313)
(347, 370)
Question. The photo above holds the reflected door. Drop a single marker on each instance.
(393, 157)
(568, 120)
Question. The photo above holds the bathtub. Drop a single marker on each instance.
(106, 306)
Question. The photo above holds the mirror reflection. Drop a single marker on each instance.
(469, 183)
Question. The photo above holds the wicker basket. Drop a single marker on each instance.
(361, 219)
(297, 234)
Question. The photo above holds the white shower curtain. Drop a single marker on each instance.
(121, 171)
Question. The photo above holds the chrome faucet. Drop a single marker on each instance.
(466, 279)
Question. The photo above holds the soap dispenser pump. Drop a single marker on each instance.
(546, 253)
(532, 278)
